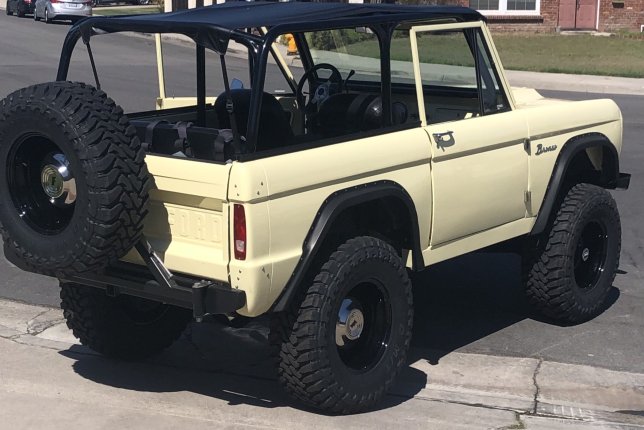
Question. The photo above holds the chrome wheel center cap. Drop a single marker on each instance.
(585, 254)
(52, 181)
(57, 181)
(350, 323)
(355, 324)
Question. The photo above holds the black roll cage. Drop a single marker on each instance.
(216, 38)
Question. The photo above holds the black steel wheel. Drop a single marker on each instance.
(571, 268)
(41, 183)
(363, 325)
(342, 343)
(73, 185)
(591, 255)
(124, 327)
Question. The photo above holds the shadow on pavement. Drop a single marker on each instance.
(466, 299)
(457, 302)
(460, 301)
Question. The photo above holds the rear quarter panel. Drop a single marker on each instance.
(283, 194)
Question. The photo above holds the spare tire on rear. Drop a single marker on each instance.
(73, 180)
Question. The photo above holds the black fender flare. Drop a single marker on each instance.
(609, 178)
(331, 208)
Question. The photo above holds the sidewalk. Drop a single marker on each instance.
(576, 83)
(47, 380)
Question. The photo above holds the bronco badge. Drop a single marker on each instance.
(541, 149)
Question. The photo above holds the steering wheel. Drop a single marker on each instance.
(323, 91)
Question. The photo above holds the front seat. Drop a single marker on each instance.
(274, 125)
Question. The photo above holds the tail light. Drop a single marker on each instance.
(239, 228)
(55, 1)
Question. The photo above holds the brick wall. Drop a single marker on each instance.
(613, 15)
(627, 15)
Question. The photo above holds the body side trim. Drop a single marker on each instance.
(570, 130)
(468, 152)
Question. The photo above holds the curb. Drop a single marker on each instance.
(533, 388)
(577, 83)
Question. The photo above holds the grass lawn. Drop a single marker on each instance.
(126, 10)
(583, 54)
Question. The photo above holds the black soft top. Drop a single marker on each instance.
(225, 20)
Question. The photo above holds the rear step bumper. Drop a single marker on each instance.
(155, 282)
(623, 181)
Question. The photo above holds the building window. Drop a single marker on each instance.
(507, 7)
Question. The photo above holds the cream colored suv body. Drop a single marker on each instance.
(489, 184)
(312, 208)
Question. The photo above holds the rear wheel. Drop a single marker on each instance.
(47, 20)
(571, 270)
(7, 9)
(342, 344)
(20, 13)
(122, 327)
(36, 16)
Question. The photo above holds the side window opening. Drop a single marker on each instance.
(458, 77)
(493, 96)
(339, 91)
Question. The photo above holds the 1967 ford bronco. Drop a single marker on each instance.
(397, 144)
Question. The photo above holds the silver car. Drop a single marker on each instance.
(73, 10)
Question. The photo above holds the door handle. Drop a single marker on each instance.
(444, 139)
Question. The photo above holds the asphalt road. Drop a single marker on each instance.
(471, 304)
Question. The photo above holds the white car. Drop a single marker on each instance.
(73, 10)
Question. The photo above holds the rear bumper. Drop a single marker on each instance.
(60, 10)
(623, 181)
(201, 295)
(26, 8)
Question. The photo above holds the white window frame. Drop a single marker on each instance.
(503, 10)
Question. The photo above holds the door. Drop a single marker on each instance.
(479, 163)
(577, 14)
(586, 14)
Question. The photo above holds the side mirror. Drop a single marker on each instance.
(236, 84)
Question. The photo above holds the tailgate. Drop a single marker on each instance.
(187, 223)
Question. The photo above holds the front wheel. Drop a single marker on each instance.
(572, 267)
(342, 344)
(122, 327)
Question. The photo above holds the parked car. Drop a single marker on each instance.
(73, 10)
(20, 7)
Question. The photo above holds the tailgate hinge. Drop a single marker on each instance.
(160, 273)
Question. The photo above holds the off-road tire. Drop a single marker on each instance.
(111, 177)
(303, 338)
(117, 326)
(552, 283)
